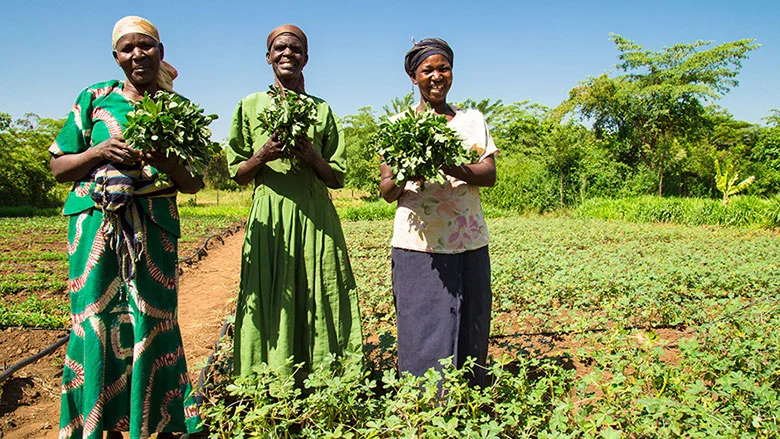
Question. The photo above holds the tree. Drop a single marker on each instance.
(398, 105)
(519, 128)
(656, 105)
(362, 158)
(491, 110)
(25, 178)
(773, 119)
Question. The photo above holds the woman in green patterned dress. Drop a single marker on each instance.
(297, 296)
(124, 368)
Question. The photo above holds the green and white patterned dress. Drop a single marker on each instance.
(298, 296)
(124, 368)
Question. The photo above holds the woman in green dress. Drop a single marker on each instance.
(297, 296)
(124, 368)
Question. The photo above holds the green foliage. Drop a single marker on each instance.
(417, 145)
(343, 399)
(764, 161)
(217, 175)
(744, 211)
(522, 185)
(34, 265)
(726, 180)
(362, 159)
(595, 279)
(491, 110)
(290, 114)
(25, 177)
(34, 312)
(398, 105)
(166, 122)
(368, 211)
(656, 106)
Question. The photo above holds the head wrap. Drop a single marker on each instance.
(296, 32)
(423, 49)
(138, 25)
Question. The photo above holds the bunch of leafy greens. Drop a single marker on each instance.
(172, 124)
(417, 145)
(290, 114)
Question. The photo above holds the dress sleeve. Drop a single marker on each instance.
(238, 149)
(76, 134)
(334, 150)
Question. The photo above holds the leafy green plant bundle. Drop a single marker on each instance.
(417, 145)
(291, 114)
(171, 124)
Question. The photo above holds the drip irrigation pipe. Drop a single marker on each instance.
(10, 370)
(202, 377)
(203, 249)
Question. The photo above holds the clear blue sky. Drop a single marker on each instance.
(510, 50)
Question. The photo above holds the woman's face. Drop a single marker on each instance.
(287, 57)
(434, 78)
(139, 57)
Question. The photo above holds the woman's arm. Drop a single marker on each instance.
(74, 167)
(270, 151)
(387, 187)
(306, 152)
(478, 174)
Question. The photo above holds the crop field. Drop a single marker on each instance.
(609, 329)
(600, 329)
(573, 275)
(34, 263)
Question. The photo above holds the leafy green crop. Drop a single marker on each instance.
(169, 123)
(291, 114)
(418, 145)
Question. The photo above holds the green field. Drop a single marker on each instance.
(600, 329)
(34, 263)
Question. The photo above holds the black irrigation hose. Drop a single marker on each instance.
(202, 377)
(10, 371)
(203, 251)
(199, 253)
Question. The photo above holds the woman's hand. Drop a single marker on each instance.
(162, 161)
(177, 172)
(270, 151)
(306, 152)
(74, 167)
(114, 149)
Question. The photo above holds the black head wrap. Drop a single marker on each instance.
(422, 50)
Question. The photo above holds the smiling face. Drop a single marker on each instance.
(287, 58)
(434, 79)
(139, 57)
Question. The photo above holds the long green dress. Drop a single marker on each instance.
(124, 367)
(297, 296)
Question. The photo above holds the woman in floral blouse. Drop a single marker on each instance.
(441, 265)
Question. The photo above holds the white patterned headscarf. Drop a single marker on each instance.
(138, 25)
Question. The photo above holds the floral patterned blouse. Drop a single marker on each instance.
(446, 218)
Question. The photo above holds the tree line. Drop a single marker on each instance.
(652, 127)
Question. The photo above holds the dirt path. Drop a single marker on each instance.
(207, 293)
(29, 406)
